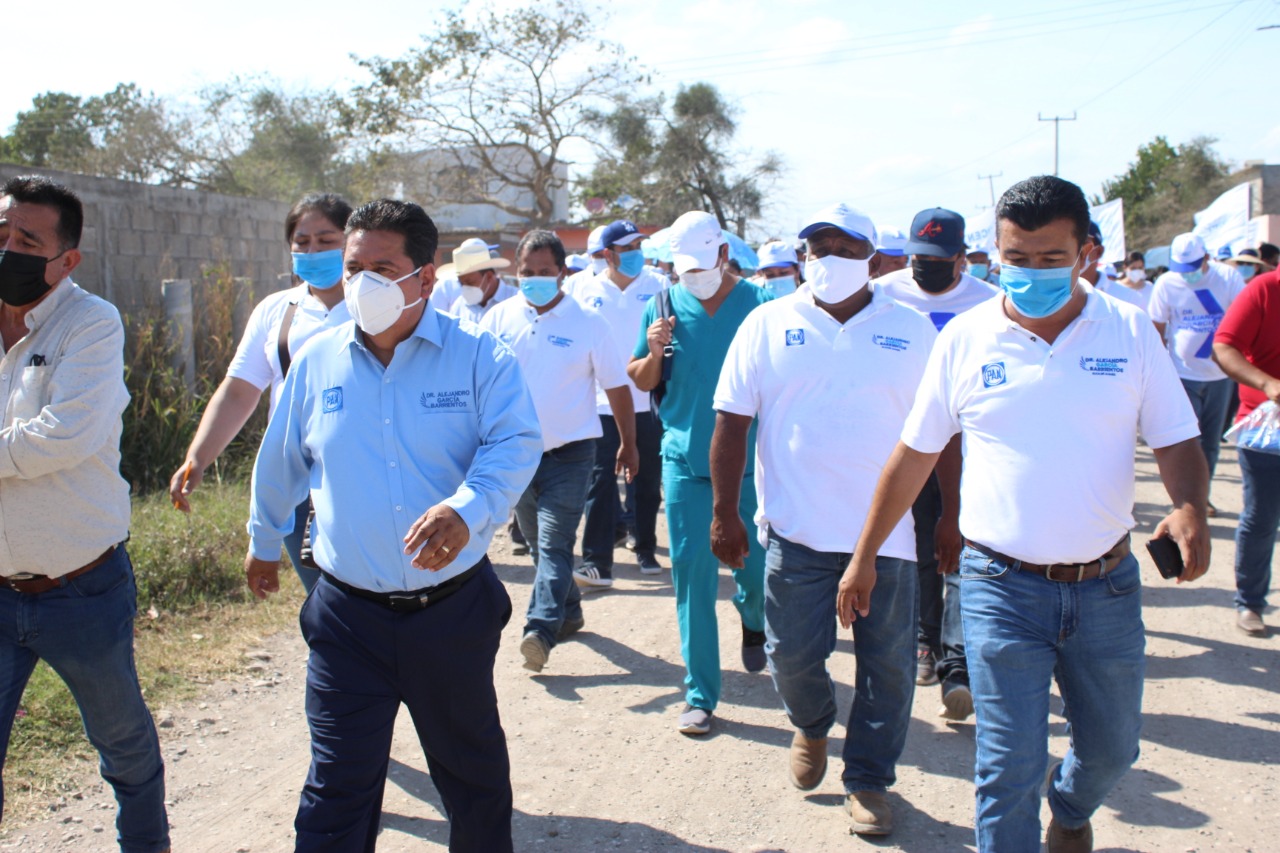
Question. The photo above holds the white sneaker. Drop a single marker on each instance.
(588, 577)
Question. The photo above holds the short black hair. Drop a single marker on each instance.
(1035, 202)
(1269, 253)
(37, 189)
(1136, 257)
(332, 207)
(540, 239)
(399, 217)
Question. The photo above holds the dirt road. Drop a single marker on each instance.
(597, 763)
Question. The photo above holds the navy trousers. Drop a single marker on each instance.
(365, 661)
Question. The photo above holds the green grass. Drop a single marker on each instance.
(195, 619)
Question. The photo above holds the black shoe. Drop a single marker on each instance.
(649, 564)
(568, 628)
(753, 656)
(519, 546)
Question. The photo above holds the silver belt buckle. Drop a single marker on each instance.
(22, 576)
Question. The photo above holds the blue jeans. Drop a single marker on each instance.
(293, 546)
(548, 513)
(1210, 400)
(84, 632)
(604, 508)
(800, 624)
(941, 630)
(1256, 532)
(1023, 630)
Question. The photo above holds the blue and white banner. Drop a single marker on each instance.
(980, 231)
(1226, 221)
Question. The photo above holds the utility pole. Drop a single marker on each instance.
(1056, 121)
(991, 181)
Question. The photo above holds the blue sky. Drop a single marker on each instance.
(891, 107)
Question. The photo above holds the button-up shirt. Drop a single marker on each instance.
(449, 421)
(62, 499)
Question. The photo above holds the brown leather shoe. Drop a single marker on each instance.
(808, 761)
(870, 812)
(1059, 839)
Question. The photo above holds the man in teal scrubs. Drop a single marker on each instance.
(703, 314)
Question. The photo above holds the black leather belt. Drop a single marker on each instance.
(1062, 572)
(414, 600)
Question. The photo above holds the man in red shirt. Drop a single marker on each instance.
(1247, 348)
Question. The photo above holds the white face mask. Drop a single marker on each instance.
(599, 265)
(375, 302)
(833, 280)
(703, 285)
(472, 295)
(1135, 274)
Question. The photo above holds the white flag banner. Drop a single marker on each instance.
(1226, 221)
(1110, 219)
(980, 232)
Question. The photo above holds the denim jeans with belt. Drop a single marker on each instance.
(603, 508)
(1256, 532)
(1022, 631)
(548, 513)
(800, 627)
(84, 632)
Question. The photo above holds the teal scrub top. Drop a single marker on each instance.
(701, 344)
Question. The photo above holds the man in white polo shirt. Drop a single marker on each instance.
(595, 261)
(1048, 387)
(564, 350)
(806, 366)
(938, 286)
(479, 286)
(1187, 304)
(621, 300)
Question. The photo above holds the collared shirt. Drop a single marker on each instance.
(257, 358)
(622, 310)
(1139, 297)
(475, 313)
(941, 308)
(1191, 313)
(701, 343)
(449, 421)
(563, 354)
(825, 391)
(62, 499)
(1048, 431)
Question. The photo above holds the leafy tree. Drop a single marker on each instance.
(681, 159)
(497, 98)
(1166, 186)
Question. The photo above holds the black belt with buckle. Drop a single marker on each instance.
(414, 600)
(1063, 572)
(32, 584)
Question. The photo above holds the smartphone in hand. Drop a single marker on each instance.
(1167, 556)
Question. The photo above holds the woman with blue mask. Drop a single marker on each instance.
(276, 330)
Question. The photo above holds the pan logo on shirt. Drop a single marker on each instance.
(331, 400)
(444, 401)
(889, 342)
(557, 341)
(596, 302)
(993, 374)
(795, 337)
(644, 297)
(1103, 366)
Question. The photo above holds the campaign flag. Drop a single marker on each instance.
(1225, 222)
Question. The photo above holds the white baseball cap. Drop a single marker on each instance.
(595, 243)
(776, 254)
(695, 241)
(848, 219)
(893, 241)
(1109, 270)
(1187, 253)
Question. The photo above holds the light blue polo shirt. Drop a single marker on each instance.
(701, 344)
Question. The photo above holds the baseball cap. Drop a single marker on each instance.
(623, 232)
(1109, 270)
(594, 243)
(848, 219)
(936, 233)
(577, 262)
(892, 242)
(1186, 253)
(776, 254)
(472, 256)
(1095, 233)
(696, 239)
(1224, 253)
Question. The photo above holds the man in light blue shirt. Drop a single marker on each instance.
(415, 434)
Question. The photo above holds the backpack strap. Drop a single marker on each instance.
(282, 342)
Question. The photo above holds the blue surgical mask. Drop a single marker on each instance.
(630, 263)
(1037, 293)
(783, 285)
(539, 289)
(321, 270)
(1247, 271)
(979, 270)
(1193, 277)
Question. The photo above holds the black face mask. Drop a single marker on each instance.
(22, 277)
(933, 276)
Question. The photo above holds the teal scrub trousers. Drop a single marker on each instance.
(695, 573)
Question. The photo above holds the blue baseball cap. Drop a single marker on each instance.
(1095, 233)
(622, 232)
(936, 233)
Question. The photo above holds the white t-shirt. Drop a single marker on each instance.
(1191, 314)
(475, 313)
(1049, 432)
(563, 353)
(1138, 297)
(940, 307)
(831, 400)
(257, 358)
(623, 310)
